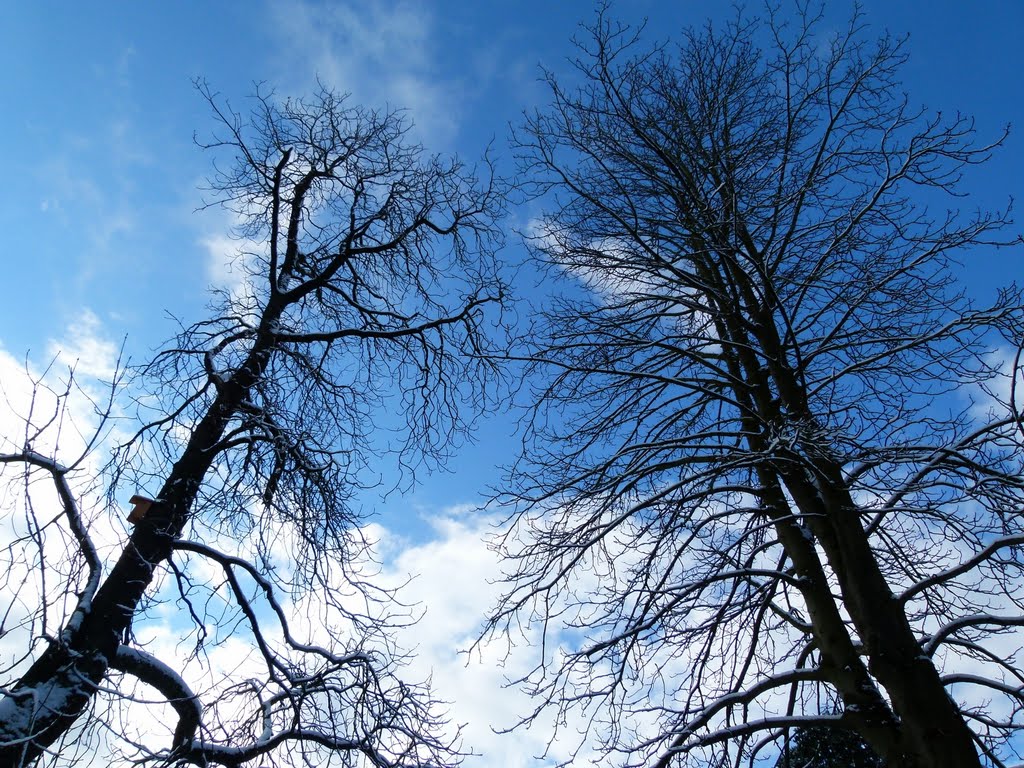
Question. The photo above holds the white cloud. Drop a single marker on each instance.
(380, 51)
(1003, 390)
(80, 198)
(456, 581)
(62, 391)
(86, 348)
(222, 269)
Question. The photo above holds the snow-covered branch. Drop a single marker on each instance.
(972, 562)
(967, 622)
(157, 674)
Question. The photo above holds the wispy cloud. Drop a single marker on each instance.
(456, 579)
(86, 348)
(383, 52)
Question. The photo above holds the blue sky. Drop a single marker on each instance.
(101, 237)
(99, 213)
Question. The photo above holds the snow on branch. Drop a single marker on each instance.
(170, 684)
(964, 567)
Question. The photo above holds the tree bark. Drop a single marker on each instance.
(934, 732)
(58, 686)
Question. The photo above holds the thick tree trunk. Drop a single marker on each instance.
(56, 689)
(935, 734)
(867, 710)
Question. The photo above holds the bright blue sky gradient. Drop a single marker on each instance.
(100, 112)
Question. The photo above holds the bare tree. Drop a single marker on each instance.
(754, 487)
(369, 267)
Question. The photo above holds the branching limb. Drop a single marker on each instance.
(75, 523)
(157, 674)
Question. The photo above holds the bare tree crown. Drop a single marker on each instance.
(752, 423)
(370, 277)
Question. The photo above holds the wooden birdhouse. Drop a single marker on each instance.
(140, 506)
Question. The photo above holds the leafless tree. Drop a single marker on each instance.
(772, 468)
(368, 295)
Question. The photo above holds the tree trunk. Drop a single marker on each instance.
(935, 734)
(58, 686)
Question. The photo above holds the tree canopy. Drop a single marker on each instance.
(751, 478)
(370, 273)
